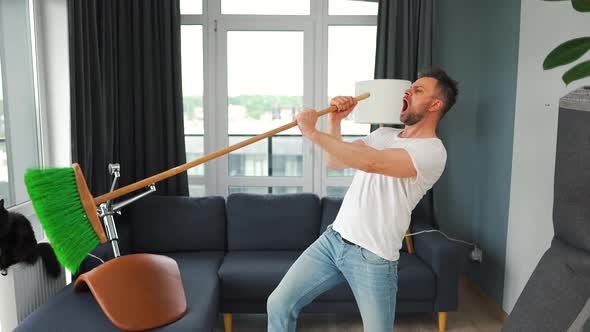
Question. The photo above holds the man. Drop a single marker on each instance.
(395, 168)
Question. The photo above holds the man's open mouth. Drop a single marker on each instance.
(405, 106)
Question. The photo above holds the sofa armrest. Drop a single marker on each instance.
(446, 258)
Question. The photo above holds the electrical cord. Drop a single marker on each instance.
(445, 235)
(100, 259)
(475, 254)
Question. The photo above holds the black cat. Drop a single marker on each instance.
(18, 244)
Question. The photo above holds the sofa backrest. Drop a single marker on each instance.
(159, 224)
(423, 213)
(330, 208)
(272, 222)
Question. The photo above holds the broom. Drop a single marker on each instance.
(67, 210)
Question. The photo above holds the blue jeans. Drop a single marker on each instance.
(326, 263)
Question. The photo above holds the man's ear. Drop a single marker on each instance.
(437, 105)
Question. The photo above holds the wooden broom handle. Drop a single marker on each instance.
(179, 169)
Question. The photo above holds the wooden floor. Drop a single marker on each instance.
(474, 315)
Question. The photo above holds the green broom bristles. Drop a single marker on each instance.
(56, 200)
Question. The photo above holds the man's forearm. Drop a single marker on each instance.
(334, 130)
(343, 153)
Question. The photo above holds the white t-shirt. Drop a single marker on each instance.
(376, 209)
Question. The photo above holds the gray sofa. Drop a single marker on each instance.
(232, 255)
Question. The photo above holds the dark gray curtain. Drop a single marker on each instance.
(404, 47)
(126, 94)
(404, 38)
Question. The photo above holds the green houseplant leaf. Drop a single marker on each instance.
(567, 52)
(571, 50)
(577, 72)
(581, 5)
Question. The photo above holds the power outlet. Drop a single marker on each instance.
(476, 254)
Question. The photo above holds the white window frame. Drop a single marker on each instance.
(23, 126)
(315, 29)
(273, 23)
(334, 20)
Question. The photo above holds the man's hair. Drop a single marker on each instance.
(446, 86)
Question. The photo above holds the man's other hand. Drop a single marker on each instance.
(345, 105)
(306, 120)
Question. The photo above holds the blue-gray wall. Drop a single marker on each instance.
(477, 43)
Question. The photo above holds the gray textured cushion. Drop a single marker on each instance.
(272, 222)
(571, 210)
(556, 292)
(78, 311)
(582, 321)
(167, 224)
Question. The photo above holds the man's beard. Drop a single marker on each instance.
(412, 118)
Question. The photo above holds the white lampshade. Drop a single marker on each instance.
(385, 104)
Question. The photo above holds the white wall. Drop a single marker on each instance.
(543, 26)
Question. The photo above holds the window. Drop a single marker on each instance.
(4, 190)
(20, 146)
(265, 190)
(265, 91)
(265, 7)
(346, 68)
(250, 66)
(336, 191)
(191, 7)
(191, 37)
(348, 7)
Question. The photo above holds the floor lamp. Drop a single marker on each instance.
(384, 107)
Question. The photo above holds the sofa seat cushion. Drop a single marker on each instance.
(78, 311)
(253, 275)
